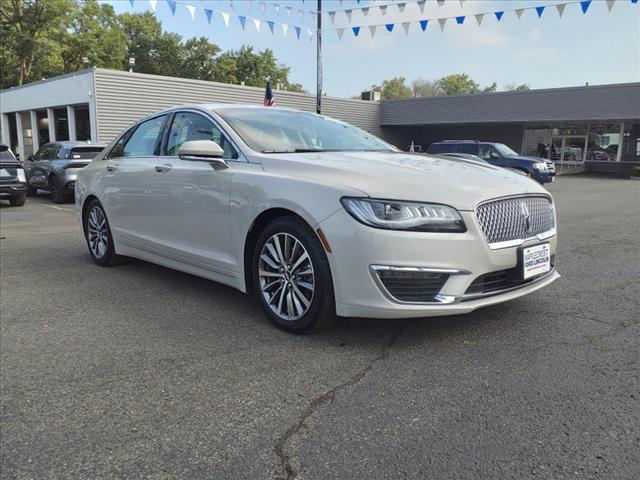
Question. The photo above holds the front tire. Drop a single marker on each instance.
(292, 277)
(18, 201)
(97, 232)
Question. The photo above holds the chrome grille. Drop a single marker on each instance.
(516, 218)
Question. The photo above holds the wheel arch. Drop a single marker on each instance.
(85, 205)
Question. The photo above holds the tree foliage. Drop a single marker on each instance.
(394, 88)
(44, 38)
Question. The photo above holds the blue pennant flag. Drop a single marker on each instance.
(356, 31)
(243, 20)
(209, 14)
(499, 15)
(460, 20)
(585, 5)
(539, 11)
(298, 30)
(131, 2)
(423, 24)
(389, 27)
(172, 6)
(634, 1)
(270, 24)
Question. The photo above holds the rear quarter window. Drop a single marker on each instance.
(442, 148)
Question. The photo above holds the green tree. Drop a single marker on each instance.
(426, 88)
(394, 88)
(511, 87)
(200, 59)
(461, 84)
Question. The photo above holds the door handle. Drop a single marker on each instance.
(163, 168)
(112, 167)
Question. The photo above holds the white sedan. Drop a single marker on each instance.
(315, 217)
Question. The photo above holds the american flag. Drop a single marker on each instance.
(269, 101)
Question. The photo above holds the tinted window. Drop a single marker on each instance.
(6, 156)
(485, 151)
(142, 142)
(189, 126)
(471, 148)
(46, 153)
(442, 148)
(85, 153)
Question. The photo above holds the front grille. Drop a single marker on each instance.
(515, 218)
(413, 286)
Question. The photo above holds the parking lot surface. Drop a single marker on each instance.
(138, 371)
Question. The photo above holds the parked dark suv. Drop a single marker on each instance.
(499, 154)
(55, 165)
(13, 181)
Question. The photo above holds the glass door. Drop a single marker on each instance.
(568, 149)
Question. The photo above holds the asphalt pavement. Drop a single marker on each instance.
(140, 372)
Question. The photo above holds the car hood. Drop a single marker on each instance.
(460, 183)
(531, 159)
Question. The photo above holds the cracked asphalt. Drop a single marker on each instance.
(140, 372)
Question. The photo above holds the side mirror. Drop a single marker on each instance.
(203, 151)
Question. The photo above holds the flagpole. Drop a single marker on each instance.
(319, 59)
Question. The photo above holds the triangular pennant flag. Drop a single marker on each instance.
(285, 29)
(263, 7)
(356, 31)
(401, 7)
(270, 25)
(479, 18)
(256, 22)
(460, 20)
(348, 14)
(209, 14)
(192, 10)
(153, 4)
(276, 7)
(225, 17)
(421, 4)
(389, 27)
(442, 21)
(519, 12)
(172, 6)
(634, 1)
(539, 11)
(609, 4)
(372, 30)
(288, 10)
(406, 26)
(231, 3)
(310, 33)
(332, 17)
(560, 8)
(585, 6)
(365, 11)
(298, 30)
(340, 32)
(242, 20)
(461, 3)
(131, 2)
(423, 24)
(383, 9)
(499, 15)
(301, 12)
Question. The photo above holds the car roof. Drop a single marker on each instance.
(69, 144)
(462, 141)
(221, 107)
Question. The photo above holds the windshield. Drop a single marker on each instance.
(271, 130)
(504, 150)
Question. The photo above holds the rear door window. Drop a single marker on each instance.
(443, 148)
(470, 148)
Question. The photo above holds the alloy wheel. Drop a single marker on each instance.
(286, 275)
(97, 232)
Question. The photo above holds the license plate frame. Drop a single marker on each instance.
(534, 260)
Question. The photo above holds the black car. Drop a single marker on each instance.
(13, 180)
(500, 155)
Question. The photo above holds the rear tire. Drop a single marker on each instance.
(18, 201)
(97, 233)
(57, 193)
(292, 277)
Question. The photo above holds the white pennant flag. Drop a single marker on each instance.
(560, 8)
(348, 14)
(262, 7)
(401, 7)
(276, 6)
(256, 22)
(225, 17)
(285, 29)
(421, 4)
(192, 10)
(442, 21)
(310, 33)
(365, 11)
(461, 3)
(372, 30)
(479, 18)
(519, 12)
(288, 10)
(301, 12)
(340, 32)
(153, 4)
(406, 26)
(383, 9)
(610, 4)
(332, 17)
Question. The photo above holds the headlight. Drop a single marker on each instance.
(21, 175)
(410, 216)
(540, 166)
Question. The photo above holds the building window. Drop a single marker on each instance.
(631, 143)
(83, 124)
(13, 133)
(43, 127)
(61, 124)
(604, 141)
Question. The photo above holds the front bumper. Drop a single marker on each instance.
(356, 248)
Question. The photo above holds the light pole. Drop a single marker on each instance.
(319, 59)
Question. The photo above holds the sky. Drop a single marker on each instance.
(598, 47)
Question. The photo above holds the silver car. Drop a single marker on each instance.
(54, 168)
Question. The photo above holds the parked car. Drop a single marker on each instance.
(499, 154)
(54, 168)
(13, 181)
(475, 158)
(314, 216)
